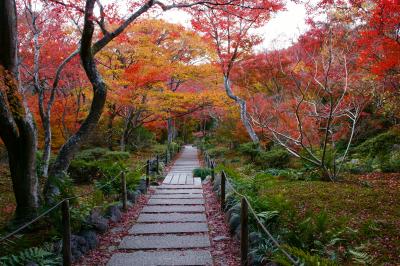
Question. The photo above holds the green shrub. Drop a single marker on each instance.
(274, 158)
(380, 145)
(140, 138)
(392, 162)
(109, 185)
(303, 257)
(115, 156)
(42, 256)
(91, 154)
(201, 172)
(97, 163)
(218, 152)
(377, 154)
(250, 149)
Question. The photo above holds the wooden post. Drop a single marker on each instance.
(147, 174)
(223, 178)
(124, 193)
(158, 163)
(66, 248)
(166, 157)
(212, 171)
(244, 233)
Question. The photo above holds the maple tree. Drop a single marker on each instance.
(229, 29)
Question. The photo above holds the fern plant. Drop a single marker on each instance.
(304, 258)
(360, 257)
(42, 256)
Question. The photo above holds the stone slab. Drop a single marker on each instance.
(171, 217)
(177, 196)
(179, 191)
(175, 178)
(173, 208)
(165, 241)
(175, 202)
(167, 179)
(197, 181)
(168, 228)
(156, 258)
(165, 186)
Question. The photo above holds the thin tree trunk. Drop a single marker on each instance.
(125, 133)
(73, 144)
(18, 131)
(110, 123)
(44, 114)
(243, 111)
(170, 131)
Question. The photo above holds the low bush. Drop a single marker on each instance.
(380, 153)
(250, 149)
(97, 163)
(219, 151)
(140, 138)
(274, 158)
(201, 172)
(111, 185)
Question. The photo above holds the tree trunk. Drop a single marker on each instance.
(71, 147)
(125, 133)
(243, 111)
(170, 131)
(47, 147)
(18, 131)
(110, 123)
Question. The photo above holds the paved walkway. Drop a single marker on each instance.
(172, 228)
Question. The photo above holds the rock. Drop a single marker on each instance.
(114, 213)
(142, 186)
(235, 209)
(97, 221)
(207, 180)
(128, 205)
(272, 264)
(228, 187)
(117, 229)
(238, 232)
(396, 147)
(79, 246)
(220, 238)
(234, 222)
(31, 263)
(132, 195)
(91, 238)
(255, 239)
(355, 161)
(112, 248)
(217, 182)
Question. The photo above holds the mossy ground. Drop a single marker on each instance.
(370, 208)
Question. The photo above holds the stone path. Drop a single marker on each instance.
(172, 229)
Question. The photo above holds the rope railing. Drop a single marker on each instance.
(64, 203)
(245, 208)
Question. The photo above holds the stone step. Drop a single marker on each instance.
(171, 217)
(156, 258)
(168, 228)
(173, 208)
(176, 202)
(179, 191)
(177, 196)
(166, 186)
(165, 241)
